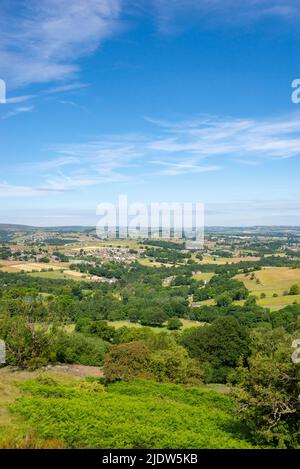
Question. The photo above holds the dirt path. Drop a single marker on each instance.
(76, 370)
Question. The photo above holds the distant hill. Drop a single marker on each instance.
(56, 229)
(11, 227)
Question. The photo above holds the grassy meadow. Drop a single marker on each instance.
(139, 414)
(270, 281)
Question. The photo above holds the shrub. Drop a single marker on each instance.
(174, 324)
(126, 361)
(26, 345)
(78, 348)
(267, 396)
(218, 347)
(174, 365)
(294, 290)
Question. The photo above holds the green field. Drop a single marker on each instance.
(186, 323)
(151, 263)
(140, 414)
(209, 259)
(273, 280)
(206, 276)
(66, 275)
(124, 243)
(55, 275)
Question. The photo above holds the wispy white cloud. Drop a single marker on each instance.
(19, 99)
(14, 190)
(172, 149)
(42, 40)
(172, 16)
(174, 168)
(56, 163)
(246, 139)
(247, 162)
(67, 87)
(18, 110)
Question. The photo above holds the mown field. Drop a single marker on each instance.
(186, 323)
(38, 269)
(124, 243)
(210, 259)
(19, 266)
(273, 280)
(65, 274)
(206, 276)
(139, 414)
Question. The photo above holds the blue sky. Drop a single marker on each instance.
(162, 101)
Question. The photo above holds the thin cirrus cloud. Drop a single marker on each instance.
(52, 90)
(48, 37)
(245, 139)
(172, 149)
(199, 146)
(12, 190)
(17, 110)
(173, 16)
(42, 41)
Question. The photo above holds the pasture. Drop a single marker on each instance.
(209, 259)
(186, 323)
(270, 281)
(205, 276)
(18, 266)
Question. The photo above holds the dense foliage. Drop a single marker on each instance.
(140, 414)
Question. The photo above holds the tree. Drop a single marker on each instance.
(26, 345)
(294, 290)
(174, 365)
(174, 324)
(153, 317)
(78, 348)
(127, 361)
(218, 346)
(267, 394)
(102, 330)
(224, 300)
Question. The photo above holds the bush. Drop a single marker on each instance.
(267, 396)
(218, 347)
(132, 334)
(174, 324)
(26, 345)
(78, 348)
(127, 361)
(294, 290)
(175, 366)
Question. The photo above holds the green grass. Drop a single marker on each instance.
(273, 280)
(210, 259)
(141, 414)
(124, 243)
(203, 276)
(185, 324)
(279, 302)
(15, 432)
(151, 263)
(56, 275)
